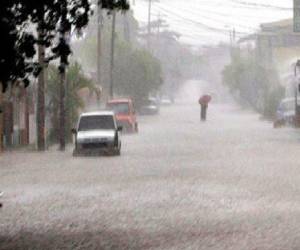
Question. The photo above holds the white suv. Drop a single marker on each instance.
(97, 132)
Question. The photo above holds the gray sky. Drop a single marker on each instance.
(209, 21)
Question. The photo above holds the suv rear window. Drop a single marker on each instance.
(119, 108)
(87, 123)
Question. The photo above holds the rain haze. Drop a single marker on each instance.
(150, 124)
(203, 22)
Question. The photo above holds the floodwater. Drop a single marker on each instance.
(232, 182)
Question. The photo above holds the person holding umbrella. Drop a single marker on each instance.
(203, 101)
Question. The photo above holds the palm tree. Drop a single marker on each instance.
(76, 81)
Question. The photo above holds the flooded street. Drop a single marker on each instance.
(230, 183)
(184, 118)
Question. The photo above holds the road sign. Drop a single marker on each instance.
(296, 15)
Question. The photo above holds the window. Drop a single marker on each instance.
(96, 123)
(119, 108)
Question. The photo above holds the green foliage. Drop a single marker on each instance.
(253, 84)
(85, 49)
(75, 81)
(137, 74)
(52, 19)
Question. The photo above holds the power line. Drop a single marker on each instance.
(193, 31)
(193, 19)
(249, 5)
(205, 37)
(216, 20)
(218, 17)
(207, 27)
(260, 5)
(203, 25)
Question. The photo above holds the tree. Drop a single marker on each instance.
(137, 74)
(75, 82)
(20, 17)
(253, 84)
(85, 49)
(53, 20)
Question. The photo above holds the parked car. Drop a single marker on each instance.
(150, 107)
(125, 113)
(97, 132)
(166, 100)
(285, 114)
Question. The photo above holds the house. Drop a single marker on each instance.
(276, 45)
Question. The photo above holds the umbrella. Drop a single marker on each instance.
(205, 99)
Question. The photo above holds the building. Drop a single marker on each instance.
(276, 45)
(18, 114)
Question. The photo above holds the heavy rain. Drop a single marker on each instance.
(150, 124)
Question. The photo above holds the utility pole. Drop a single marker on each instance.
(26, 118)
(62, 122)
(230, 39)
(40, 118)
(231, 44)
(297, 86)
(126, 28)
(233, 35)
(99, 50)
(99, 44)
(1, 117)
(62, 73)
(149, 25)
(158, 24)
(112, 54)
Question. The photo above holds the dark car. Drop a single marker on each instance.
(150, 107)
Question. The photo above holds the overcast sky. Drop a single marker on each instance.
(209, 21)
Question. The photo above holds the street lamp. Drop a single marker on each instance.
(297, 88)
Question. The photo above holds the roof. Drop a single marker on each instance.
(98, 113)
(119, 100)
(282, 24)
(283, 27)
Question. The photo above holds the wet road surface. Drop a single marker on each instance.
(230, 183)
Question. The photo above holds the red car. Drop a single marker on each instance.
(125, 113)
